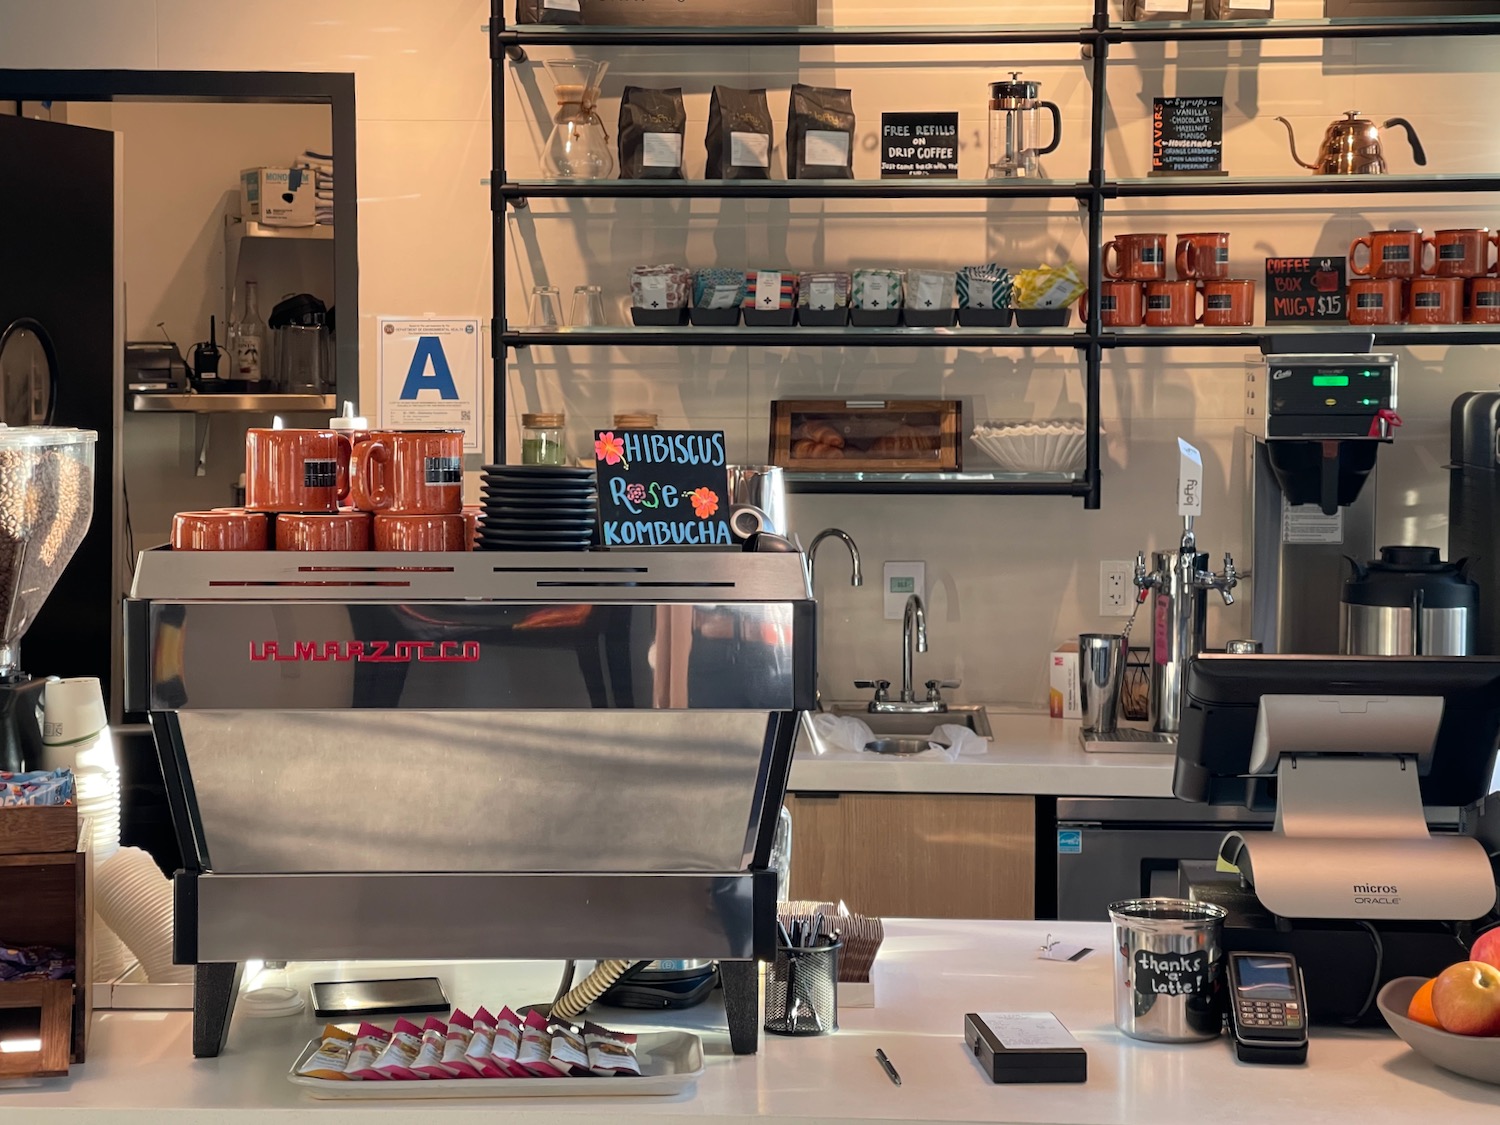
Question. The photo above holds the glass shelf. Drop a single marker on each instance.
(1385, 335)
(991, 481)
(894, 35)
(230, 404)
(1157, 31)
(918, 187)
(1304, 184)
(793, 337)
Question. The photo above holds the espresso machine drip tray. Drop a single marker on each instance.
(472, 756)
(1128, 740)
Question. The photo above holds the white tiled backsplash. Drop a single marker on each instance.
(1007, 576)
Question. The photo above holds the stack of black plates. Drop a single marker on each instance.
(538, 508)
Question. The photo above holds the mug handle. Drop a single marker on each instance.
(1112, 247)
(1184, 258)
(1422, 267)
(1369, 257)
(345, 454)
(1200, 304)
(1492, 240)
(362, 471)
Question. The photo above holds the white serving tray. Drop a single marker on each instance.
(671, 1062)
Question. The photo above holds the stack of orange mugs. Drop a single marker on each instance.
(341, 490)
(1138, 291)
(1406, 277)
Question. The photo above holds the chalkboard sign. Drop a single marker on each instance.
(1305, 290)
(919, 144)
(1187, 136)
(662, 488)
(1172, 974)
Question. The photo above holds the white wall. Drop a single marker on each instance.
(1008, 576)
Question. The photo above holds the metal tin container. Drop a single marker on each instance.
(1168, 957)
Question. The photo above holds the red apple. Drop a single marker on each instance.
(1487, 948)
(1466, 998)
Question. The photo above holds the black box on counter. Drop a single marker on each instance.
(1025, 1047)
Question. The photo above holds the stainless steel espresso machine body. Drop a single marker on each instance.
(1313, 425)
(472, 756)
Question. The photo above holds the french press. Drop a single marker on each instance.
(1015, 128)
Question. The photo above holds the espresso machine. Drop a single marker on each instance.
(1313, 425)
(472, 756)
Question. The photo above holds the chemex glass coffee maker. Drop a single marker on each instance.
(1313, 426)
(1015, 129)
(46, 502)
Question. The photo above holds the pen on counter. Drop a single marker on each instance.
(890, 1071)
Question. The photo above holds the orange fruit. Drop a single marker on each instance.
(1421, 1007)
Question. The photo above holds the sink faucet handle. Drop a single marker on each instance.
(935, 689)
(882, 688)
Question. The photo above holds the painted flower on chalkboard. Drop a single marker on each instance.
(635, 493)
(705, 502)
(610, 449)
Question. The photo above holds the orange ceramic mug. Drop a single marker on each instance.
(1461, 253)
(219, 530)
(1389, 253)
(1483, 306)
(422, 533)
(412, 472)
(1228, 303)
(1202, 257)
(1376, 300)
(347, 530)
(1171, 303)
(1435, 300)
(1137, 257)
(1121, 304)
(295, 470)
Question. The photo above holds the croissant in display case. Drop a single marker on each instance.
(895, 435)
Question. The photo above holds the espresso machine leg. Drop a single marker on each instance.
(215, 986)
(742, 1004)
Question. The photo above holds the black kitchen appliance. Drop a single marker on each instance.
(1408, 602)
(1474, 506)
(154, 367)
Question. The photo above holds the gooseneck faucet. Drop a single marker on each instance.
(856, 575)
(916, 614)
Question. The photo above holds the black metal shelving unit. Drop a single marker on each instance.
(509, 43)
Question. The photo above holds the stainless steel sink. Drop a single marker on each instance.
(903, 733)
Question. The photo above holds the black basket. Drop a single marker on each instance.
(802, 990)
(875, 318)
(658, 318)
(984, 318)
(714, 318)
(928, 318)
(770, 318)
(823, 318)
(1043, 318)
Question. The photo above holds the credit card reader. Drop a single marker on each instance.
(1267, 1008)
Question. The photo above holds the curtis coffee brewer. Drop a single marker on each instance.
(1313, 426)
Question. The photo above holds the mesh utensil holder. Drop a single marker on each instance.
(802, 990)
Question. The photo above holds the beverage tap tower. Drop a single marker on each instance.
(1178, 583)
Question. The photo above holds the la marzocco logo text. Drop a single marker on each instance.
(1376, 894)
(366, 652)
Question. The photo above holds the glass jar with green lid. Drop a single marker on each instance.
(542, 439)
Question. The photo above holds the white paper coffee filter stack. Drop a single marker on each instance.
(1056, 446)
(134, 899)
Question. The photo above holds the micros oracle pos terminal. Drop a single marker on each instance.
(1348, 751)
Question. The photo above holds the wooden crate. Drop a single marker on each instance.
(28, 829)
(46, 898)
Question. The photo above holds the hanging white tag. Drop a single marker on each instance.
(750, 150)
(877, 291)
(822, 295)
(661, 150)
(929, 293)
(723, 297)
(767, 289)
(981, 294)
(562, 5)
(653, 291)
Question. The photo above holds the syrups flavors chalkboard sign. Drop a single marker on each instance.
(1306, 291)
(662, 488)
(1187, 136)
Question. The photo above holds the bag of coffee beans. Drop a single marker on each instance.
(739, 135)
(651, 126)
(549, 11)
(820, 134)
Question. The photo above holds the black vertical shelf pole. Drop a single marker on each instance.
(1094, 353)
(497, 232)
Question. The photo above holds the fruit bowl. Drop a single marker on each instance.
(1469, 1055)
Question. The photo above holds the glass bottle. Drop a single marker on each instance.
(579, 146)
(542, 439)
(248, 339)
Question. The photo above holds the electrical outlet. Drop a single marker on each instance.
(1116, 588)
(902, 579)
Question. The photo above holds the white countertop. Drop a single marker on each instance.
(141, 1071)
(1030, 753)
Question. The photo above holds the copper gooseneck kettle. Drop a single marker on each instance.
(1351, 146)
